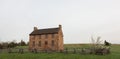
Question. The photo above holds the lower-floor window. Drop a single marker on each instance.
(46, 42)
(33, 43)
(39, 43)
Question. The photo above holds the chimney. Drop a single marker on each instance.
(35, 28)
(60, 26)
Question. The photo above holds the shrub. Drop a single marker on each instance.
(106, 43)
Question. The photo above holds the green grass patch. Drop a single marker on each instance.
(115, 54)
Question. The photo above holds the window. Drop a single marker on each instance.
(39, 36)
(33, 37)
(33, 43)
(39, 43)
(46, 36)
(52, 42)
(52, 35)
(46, 42)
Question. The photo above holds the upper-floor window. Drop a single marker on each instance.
(33, 43)
(39, 43)
(39, 36)
(46, 36)
(33, 37)
(52, 35)
(52, 42)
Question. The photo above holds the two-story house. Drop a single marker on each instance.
(46, 39)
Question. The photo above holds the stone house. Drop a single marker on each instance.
(46, 39)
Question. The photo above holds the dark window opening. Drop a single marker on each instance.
(39, 44)
(52, 35)
(33, 37)
(46, 36)
(46, 42)
(33, 43)
(39, 36)
(52, 42)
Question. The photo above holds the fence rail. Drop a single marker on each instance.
(66, 51)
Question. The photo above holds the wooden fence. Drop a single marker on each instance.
(66, 51)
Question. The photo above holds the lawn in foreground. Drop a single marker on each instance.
(115, 54)
(56, 56)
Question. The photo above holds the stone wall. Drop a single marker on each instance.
(58, 42)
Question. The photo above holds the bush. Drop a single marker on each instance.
(1, 46)
(5, 45)
(98, 48)
(12, 45)
(22, 43)
(106, 43)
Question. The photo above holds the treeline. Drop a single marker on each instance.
(12, 44)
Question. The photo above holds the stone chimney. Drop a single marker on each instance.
(60, 26)
(35, 28)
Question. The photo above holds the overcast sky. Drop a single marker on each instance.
(80, 19)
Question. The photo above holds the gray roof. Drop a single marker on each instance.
(45, 31)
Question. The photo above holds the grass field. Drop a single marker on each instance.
(115, 54)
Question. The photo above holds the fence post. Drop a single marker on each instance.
(45, 50)
(35, 50)
(66, 50)
(74, 50)
(9, 50)
(21, 51)
(83, 51)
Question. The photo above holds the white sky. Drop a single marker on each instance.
(80, 19)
